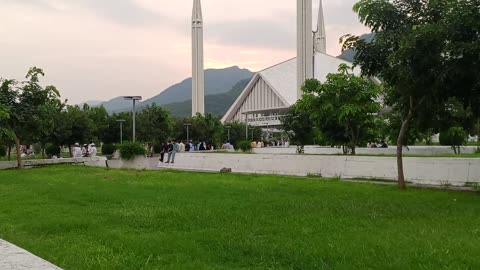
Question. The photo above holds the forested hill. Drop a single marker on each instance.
(215, 104)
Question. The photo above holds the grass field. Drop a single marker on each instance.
(91, 218)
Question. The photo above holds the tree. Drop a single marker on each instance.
(72, 126)
(24, 101)
(154, 124)
(345, 104)
(111, 133)
(425, 52)
(207, 128)
(99, 118)
(299, 127)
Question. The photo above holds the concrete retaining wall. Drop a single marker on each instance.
(433, 171)
(413, 150)
(94, 162)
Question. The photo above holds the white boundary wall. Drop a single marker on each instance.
(93, 161)
(432, 171)
(412, 150)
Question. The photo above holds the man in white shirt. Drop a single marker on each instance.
(77, 151)
(92, 150)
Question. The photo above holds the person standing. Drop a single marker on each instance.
(163, 150)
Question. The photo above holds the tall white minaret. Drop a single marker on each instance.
(320, 36)
(198, 76)
(304, 43)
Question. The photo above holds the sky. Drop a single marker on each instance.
(101, 49)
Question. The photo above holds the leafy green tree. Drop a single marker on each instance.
(237, 132)
(99, 118)
(48, 126)
(154, 124)
(73, 125)
(425, 52)
(25, 102)
(111, 134)
(345, 104)
(299, 127)
(207, 128)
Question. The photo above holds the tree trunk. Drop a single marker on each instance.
(19, 157)
(70, 150)
(401, 138)
(9, 152)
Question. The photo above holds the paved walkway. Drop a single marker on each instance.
(15, 258)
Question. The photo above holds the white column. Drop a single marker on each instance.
(304, 43)
(198, 76)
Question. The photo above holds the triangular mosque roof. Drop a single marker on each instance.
(282, 78)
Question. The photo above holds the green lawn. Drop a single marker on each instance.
(91, 218)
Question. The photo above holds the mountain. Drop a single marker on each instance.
(117, 104)
(216, 104)
(217, 81)
(348, 55)
(91, 103)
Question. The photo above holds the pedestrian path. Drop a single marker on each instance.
(15, 258)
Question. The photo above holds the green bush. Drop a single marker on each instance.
(128, 150)
(108, 149)
(52, 150)
(3, 151)
(245, 146)
(454, 137)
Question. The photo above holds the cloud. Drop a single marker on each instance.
(253, 33)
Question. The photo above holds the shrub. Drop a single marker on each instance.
(3, 151)
(128, 150)
(52, 150)
(454, 137)
(245, 146)
(108, 149)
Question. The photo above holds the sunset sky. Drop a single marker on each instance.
(100, 49)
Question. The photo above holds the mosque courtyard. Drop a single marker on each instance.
(92, 218)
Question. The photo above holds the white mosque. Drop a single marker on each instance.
(273, 90)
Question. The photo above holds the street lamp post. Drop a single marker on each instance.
(228, 130)
(134, 99)
(121, 121)
(187, 126)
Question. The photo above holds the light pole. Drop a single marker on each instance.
(134, 99)
(228, 130)
(121, 121)
(268, 130)
(187, 126)
(252, 129)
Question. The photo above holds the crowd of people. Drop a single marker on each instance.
(170, 148)
(382, 144)
(87, 150)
